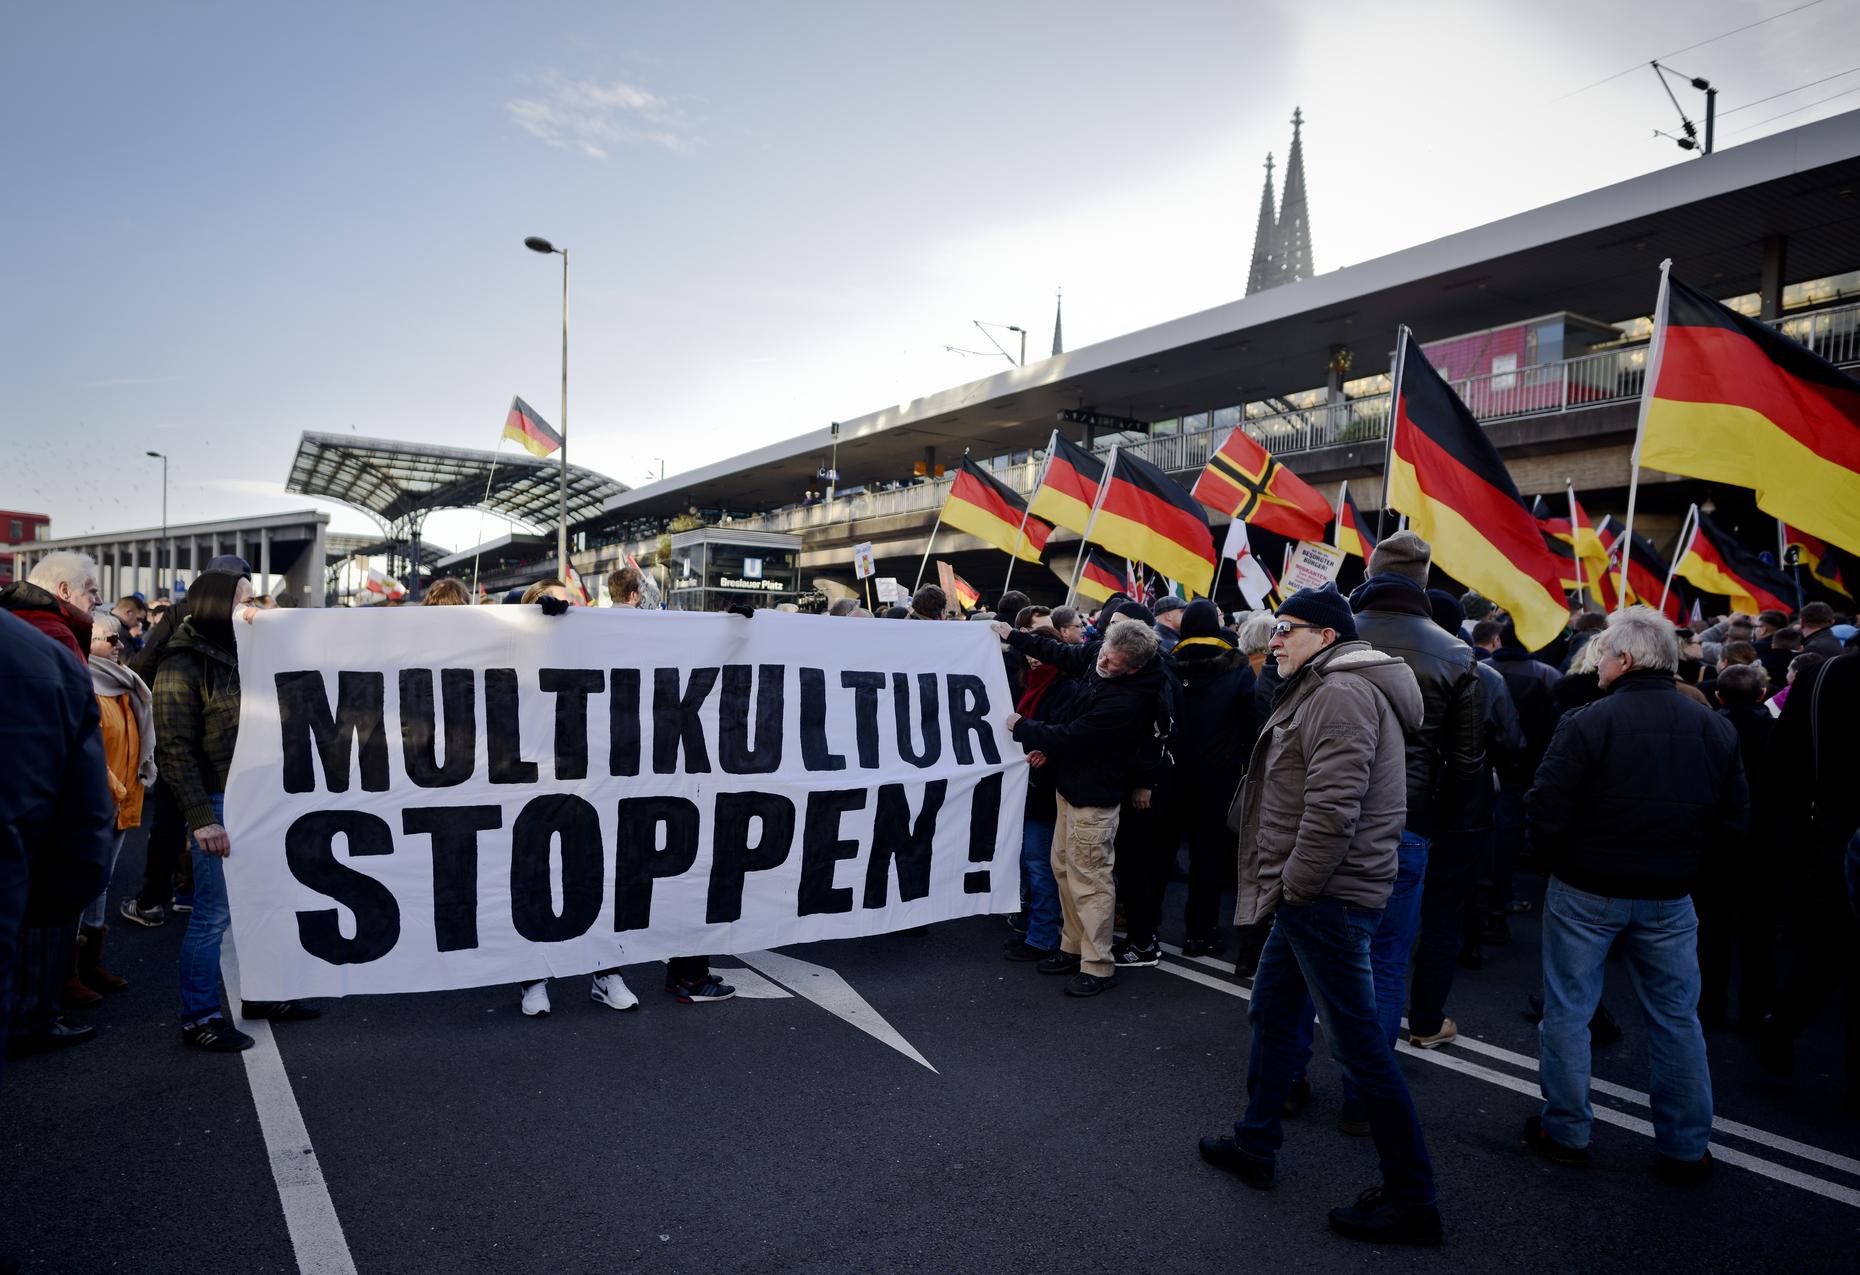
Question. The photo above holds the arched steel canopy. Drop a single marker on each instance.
(397, 481)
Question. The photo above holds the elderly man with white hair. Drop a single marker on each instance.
(1634, 790)
(57, 599)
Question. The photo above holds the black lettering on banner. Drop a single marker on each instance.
(454, 830)
(731, 855)
(822, 848)
(419, 729)
(533, 839)
(640, 860)
(895, 837)
(310, 853)
(675, 720)
(502, 735)
(968, 712)
(815, 752)
(984, 823)
(623, 722)
(928, 716)
(571, 688)
(735, 753)
(865, 688)
(305, 721)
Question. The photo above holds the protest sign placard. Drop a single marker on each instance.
(890, 592)
(863, 565)
(426, 799)
(1312, 565)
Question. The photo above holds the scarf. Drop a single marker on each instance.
(108, 678)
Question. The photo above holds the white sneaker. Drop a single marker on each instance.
(536, 998)
(611, 990)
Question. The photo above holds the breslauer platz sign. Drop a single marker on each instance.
(445, 797)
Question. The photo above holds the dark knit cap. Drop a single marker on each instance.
(1323, 606)
(1136, 611)
(1476, 606)
(1166, 603)
(1201, 619)
(1404, 554)
(1448, 613)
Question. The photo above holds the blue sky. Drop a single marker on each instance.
(228, 224)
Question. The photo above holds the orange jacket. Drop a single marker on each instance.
(122, 752)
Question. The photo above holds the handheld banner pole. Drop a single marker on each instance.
(929, 547)
(1679, 551)
(1014, 554)
(1388, 450)
(1336, 529)
(1575, 549)
(1651, 377)
(1078, 570)
(476, 553)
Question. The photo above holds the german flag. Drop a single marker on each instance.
(1100, 577)
(1826, 565)
(1581, 538)
(1069, 487)
(1147, 517)
(1838, 570)
(1353, 535)
(1737, 402)
(1714, 561)
(1243, 481)
(1447, 477)
(990, 510)
(530, 431)
(967, 595)
(1647, 571)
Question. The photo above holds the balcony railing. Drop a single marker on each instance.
(1593, 380)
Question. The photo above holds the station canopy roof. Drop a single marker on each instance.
(394, 480)
(343, 544)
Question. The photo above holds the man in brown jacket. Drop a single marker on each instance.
(1319, 818)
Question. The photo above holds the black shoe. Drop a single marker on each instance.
(1213, 945)
(1020, 950)
(1773, 1049)
(216, 1036)
(1354, 1119)
(1246, 965)
(1225, 1153)
(1472, 958)
(1297, 1100)
(1017, 922)
(1497, 932)
(1603, 1029)
(279, 1011)
(60, 1035)
(1128, 956)
(1089, 985)
(1549, 1148)
(1378, 1217)
(1684, 1172)
(1060, 963)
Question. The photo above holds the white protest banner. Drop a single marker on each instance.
(427, 798)
(863, 565)
(1312, 565)
(890, 592)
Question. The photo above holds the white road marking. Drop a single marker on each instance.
(834, 994)
(316, 1231)
(1607, 1115)
(750, 985)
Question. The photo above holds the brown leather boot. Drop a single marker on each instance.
(76, 995)
(91, 970)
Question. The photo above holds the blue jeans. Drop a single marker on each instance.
(1391, 948)
(1036, 861)
(1659, 937)
(1324, 946)
(200, 946)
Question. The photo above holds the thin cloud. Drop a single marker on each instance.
(592, 117)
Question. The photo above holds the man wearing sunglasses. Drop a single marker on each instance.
(1319, 818)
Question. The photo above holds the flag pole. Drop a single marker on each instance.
(476, 553)
(1388, 450)
(1336, 530)
(929, 546)
(1679, 551)
(1575, 538)
(1078, 570)
(1655, 349)
(1014, 553)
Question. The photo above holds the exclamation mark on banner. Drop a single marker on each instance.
(984, 822)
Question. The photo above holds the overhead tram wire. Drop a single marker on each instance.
(1676, 52)
(1796, 111)
(1786, 92)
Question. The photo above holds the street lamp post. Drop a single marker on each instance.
(537, 244)
(163, 458)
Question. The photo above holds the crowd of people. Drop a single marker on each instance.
(1363, 773)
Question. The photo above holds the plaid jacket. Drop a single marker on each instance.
(196, 722)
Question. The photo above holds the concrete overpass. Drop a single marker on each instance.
(286, 552)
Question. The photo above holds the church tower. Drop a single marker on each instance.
(1292, 252)
(1261, 275)
(1059, 345)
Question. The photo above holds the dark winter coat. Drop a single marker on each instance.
(47, 613)
(1531, 684)
(1813, 797)
(1634, 789)
(1445, 753)
(1110, 744)
(196, 721)
(1218, 725)
(1058, 699)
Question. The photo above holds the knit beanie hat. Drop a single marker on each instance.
(1475, 606)
(1136, 611)
(1323, 606)
(1166, 603)
(1448, 613)
(1402, 554)
(1201, 619)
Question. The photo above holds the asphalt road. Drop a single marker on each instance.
(776, 1135)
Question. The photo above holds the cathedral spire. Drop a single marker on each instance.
(1059, 300)
(1261, 275)
(1292, 246)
